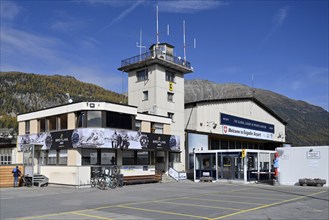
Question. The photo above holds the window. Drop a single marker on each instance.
(142, 75)
(52, 157)
(142, 158)
(170, 96)
(27, 127)
(157, 128)
(118, 120)
(89, 156)
(171, 115)
(170, 76)
(107, 157)
(137, 125)
(62, 159)
(145, 95)
(81, 119)
(94, 119)
(128, 158)
(5, 155)
(63, 122)
(42, 125)
(52, 125)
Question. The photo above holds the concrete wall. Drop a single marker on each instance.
(303, 162)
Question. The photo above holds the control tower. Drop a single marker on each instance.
(156, 86)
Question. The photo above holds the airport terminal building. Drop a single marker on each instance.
(155, 132)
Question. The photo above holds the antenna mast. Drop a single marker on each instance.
(184, 41)
(140, 44)
(157, 22)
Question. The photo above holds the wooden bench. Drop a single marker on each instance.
(140, 179)
(206, 179)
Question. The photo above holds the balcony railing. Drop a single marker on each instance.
(158, 54)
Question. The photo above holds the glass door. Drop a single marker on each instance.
(230, 166)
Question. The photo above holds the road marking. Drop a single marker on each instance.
(214, 200)
(88, 215)
(265, 194)
(248, 197)
(266, 206)
(204, 206)
(164, 212)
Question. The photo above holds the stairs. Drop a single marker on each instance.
(40, 180)
(167, 179)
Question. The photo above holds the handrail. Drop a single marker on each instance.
(173, 173)
(155, 54)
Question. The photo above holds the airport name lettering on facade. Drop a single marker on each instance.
(236, 126)
(235, 131)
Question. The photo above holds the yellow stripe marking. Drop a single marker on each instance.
(64, 213)
(265, 194)
(248, 197)
(204, 206)
(88, 215)
(214, 200)
(164, 212)
(266, 206)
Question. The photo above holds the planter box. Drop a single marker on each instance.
(311, 182)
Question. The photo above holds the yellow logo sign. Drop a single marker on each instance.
(171, 86)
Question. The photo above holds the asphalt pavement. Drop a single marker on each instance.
(176, 200)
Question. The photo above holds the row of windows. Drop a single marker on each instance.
(5, 156)
(103, 157)
(5, 159)
(170, 96)
(142, 75)
(105, 119)
(216, 144)
(84, 119)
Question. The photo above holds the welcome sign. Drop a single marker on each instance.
(242, 127)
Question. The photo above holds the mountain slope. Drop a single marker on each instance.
(307, 124)
(23, 92)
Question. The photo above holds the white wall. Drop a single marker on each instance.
(301, 162)
(68, 175)
(197, 118)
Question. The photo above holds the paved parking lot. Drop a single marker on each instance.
(182, 200)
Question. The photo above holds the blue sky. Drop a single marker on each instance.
(282, 44)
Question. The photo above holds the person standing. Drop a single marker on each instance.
(16, 173)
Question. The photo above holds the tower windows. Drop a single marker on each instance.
(27, 127)
(171, 115)
(170, 97)
(170, 76)
(145, 95)
(142, 75)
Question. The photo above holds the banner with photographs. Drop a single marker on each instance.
(47, 140)
(100, 138)
(123, 139)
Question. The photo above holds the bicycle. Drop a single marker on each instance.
(108, 180)
(96, 179)
(27, 180)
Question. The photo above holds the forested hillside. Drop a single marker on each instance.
(22, 92)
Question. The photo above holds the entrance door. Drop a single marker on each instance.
(231, 166)
(160, 161)
(41, 155)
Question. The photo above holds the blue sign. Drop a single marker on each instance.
(231, 120)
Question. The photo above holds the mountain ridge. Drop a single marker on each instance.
(25, 92)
